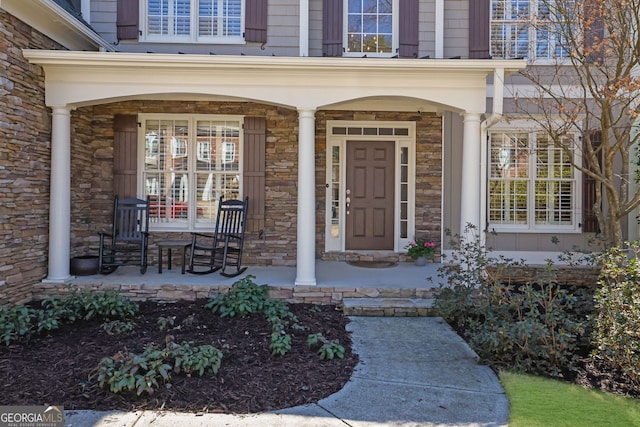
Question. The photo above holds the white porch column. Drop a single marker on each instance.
(306, 243)
(60, 195)
(471, 184)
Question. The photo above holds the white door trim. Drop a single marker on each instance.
(404, 136)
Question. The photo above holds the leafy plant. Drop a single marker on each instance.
(16, 321)
(280, 343)
(244, 298)
(78, 305)
(616, 329)
(530, 327)
(146, 371)
(189, 359)
(165, 323)
(328, 349)
(420, 248)
(115, 327)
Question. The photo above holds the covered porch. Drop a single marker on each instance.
(306, 87)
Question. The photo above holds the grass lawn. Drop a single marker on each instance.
(543, 402)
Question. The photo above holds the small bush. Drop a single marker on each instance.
(616, 328)
(16, 322)
(244, 298)
(530, 327)
(329, 349)
(143, 373)
(115, 327)
(88, 305)
(21, 322)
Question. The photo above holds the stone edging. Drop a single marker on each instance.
(170, 292)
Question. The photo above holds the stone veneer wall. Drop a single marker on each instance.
(92, 175)
(25, 143)
(428, 177)
(92, 159)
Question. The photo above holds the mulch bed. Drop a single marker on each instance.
(54, 369)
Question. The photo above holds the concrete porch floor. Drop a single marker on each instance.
(400, 290)
(329, 274)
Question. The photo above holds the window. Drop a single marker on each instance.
(194, 20)
(185, 183)
(525, 29)
(370, 27)
(532, 184)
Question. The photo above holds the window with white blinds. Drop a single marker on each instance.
(194, 21)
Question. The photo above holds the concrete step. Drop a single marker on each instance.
(389, 307)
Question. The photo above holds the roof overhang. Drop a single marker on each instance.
(55, 22)
(83, 78)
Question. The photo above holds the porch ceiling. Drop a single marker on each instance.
(84, 78)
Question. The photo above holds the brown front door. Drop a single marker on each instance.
(370, 195)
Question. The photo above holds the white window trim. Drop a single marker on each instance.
(531, 56)
(395, 28)
(193, 37)
(529, 126)
(338, 244)
(191, 223)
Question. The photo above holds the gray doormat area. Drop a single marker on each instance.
(372, 264)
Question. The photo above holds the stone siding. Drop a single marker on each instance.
(92, 175)
(171, 292)
(25, 144)
(428, 178)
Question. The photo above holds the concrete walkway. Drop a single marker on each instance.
(412, 372)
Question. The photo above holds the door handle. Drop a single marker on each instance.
(348, 200)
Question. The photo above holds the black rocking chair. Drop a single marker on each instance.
(223, 248)
(127, 242)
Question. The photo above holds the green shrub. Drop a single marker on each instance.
(329, 349)
(134, 372)
(20, 322)
(244, 298)
(616, 328)
(280, 343)
(146, 371)
(78, 305)
(529, 328)
(115, 327)
(532, 327)
(189, 359)
(16, 322)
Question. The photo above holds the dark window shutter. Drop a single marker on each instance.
(125, 154)
(408, 37)
(479, 29)
(593, 31)
(589, 219)
(253, 175)
(332, 18)
(255, 21)
(127, 20)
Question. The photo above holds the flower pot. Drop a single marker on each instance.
(86, 265)
(420, 261)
